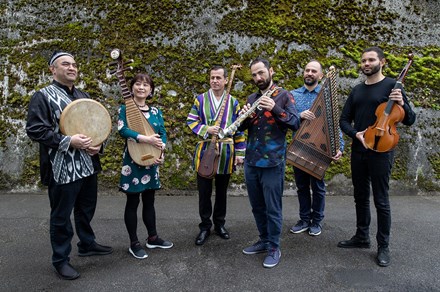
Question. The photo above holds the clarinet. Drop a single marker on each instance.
(229, 131)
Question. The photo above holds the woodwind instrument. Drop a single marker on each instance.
(229, 131)
(317, 140)
(209, 162)
(142, 153)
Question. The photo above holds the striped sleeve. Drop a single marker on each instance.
(195, 118)
(239, 138)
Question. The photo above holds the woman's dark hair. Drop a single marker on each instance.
(143, 77)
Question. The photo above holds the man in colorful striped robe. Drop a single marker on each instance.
(202, 121)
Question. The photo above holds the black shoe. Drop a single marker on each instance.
(94, 249)
(222, 232)
(383, 256)
(355, 242)
(67, 272)
(203, 235)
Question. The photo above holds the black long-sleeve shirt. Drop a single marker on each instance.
(359, 111)
(57, 159)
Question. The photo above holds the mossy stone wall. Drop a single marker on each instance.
(178, 41)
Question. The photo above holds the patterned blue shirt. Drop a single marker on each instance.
(304, 100)
(266, 145)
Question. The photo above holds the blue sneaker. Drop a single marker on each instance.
(300, 226)
(273, 258)
(257, 247)
(315, 229)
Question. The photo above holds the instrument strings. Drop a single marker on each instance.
(326, 118)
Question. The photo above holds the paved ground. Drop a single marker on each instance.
(307, 263)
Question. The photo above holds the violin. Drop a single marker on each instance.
(382, 136)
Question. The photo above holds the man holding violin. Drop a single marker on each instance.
(372, 167)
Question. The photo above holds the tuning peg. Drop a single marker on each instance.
(112, 63)
(115, 54)
(128, 62)
(113, 71)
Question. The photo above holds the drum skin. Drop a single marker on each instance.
(88, 117)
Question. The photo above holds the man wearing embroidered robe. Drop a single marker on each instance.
(69, 166)
(201, 120)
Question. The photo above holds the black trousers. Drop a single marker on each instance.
(204, 186)
(372, 168)
(148, 213)
(81, 197)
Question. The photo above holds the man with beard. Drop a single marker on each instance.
(265, 158)
(311, 211)
(369, 167)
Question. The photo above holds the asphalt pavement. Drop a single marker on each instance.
(307, 264)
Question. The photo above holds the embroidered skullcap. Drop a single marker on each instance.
(58, 54)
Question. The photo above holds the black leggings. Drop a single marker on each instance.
(148, 213)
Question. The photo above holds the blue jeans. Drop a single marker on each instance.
(310, 210)
(372, 168)
(265, 190)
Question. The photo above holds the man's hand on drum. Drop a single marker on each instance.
(80, 141)
(92, 150)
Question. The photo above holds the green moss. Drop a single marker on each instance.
(435, 163)
(31, 171)
(150, 32)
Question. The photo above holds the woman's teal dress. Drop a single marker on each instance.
(136, 178)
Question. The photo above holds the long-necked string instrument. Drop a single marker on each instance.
(209, 162)
(317, 140)
(382, 136)
(142, 153)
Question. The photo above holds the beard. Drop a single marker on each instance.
(373, 70)
(264, 84)
(310, 81)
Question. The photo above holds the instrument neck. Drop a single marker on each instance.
(223, 106)
(123, 84)
(391, 102)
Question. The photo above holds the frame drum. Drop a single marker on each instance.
(86, 116)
